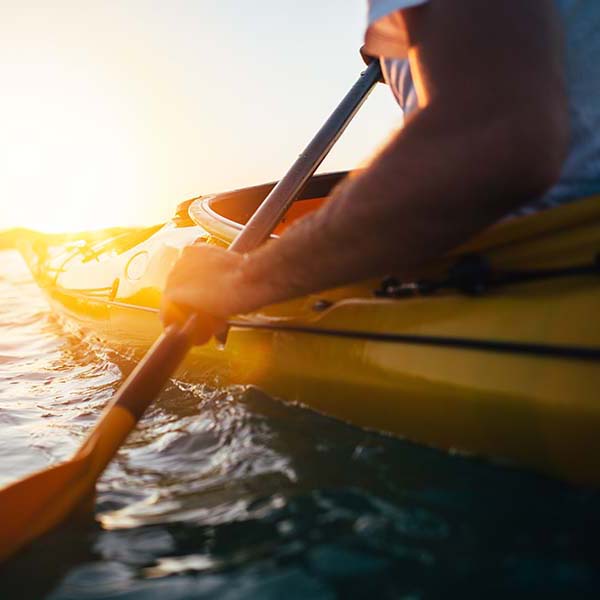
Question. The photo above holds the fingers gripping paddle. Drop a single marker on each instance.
(34, 505)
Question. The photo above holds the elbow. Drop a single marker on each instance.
(510, 152)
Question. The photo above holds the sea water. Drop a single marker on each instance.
(227, 493)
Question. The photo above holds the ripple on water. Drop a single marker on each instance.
(226, 493)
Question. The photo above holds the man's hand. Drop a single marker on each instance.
(205, 280)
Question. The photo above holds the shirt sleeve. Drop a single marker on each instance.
(396, 72)
(386, 36)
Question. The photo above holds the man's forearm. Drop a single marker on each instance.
(439, 181)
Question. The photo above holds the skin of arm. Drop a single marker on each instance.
(491, 134)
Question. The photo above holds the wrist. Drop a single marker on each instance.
(252, 286)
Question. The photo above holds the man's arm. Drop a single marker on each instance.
(490, 134)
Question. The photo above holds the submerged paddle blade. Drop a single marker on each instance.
(35, 505)
(38, 503)
(32, 506)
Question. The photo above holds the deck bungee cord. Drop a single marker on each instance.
(501, 346)
(474, 276)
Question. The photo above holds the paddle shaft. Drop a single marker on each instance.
(275, 205)
(36, 504)
(154, 370)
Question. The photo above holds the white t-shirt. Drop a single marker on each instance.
(385, 37)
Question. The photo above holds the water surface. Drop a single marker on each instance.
(227, 493)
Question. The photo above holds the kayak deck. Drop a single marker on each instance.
(511, 373)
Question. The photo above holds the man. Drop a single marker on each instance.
(502, 116)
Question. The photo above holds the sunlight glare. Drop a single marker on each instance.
(113, 113)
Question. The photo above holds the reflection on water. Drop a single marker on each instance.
(227, 493)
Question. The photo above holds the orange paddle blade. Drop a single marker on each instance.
(38, 503)
(34, 505)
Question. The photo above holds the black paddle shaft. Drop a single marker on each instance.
(167, 353)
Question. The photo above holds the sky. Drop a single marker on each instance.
(112, 112)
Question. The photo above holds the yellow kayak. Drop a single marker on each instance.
(495, 351)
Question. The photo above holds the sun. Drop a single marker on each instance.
(79, 136)
(68, 162)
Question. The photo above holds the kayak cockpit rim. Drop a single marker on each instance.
(225, 214)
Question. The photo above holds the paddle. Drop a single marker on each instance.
(38, 503)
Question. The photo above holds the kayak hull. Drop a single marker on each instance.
(512, 374)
